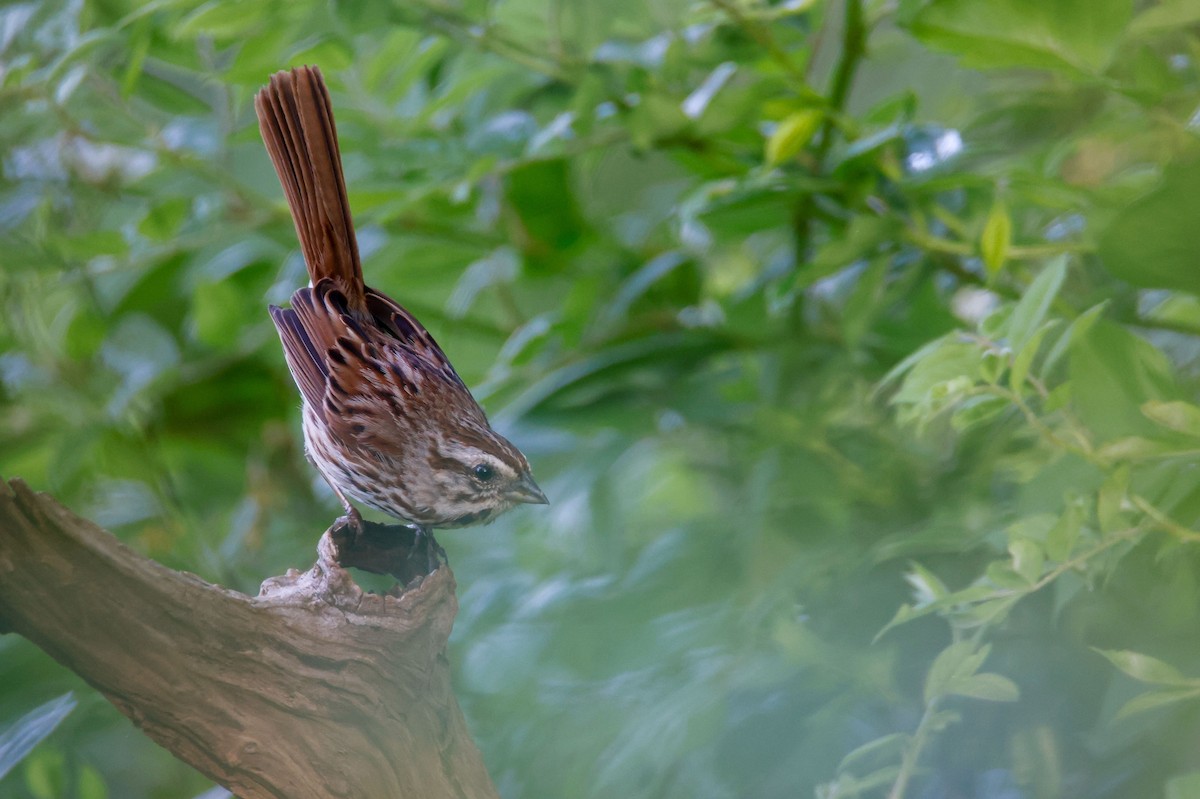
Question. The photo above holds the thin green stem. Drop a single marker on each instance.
(912, 754)
(1083, 557)
(854, 47)
(1044, 430)
(854, 36)
(920, 737)
(490, 38)
(1163, 520)
(762, 34)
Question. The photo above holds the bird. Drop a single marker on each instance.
(387, 420)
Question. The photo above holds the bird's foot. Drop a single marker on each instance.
(377, 548)
(351, 522)
(426, 546)
(354, 518)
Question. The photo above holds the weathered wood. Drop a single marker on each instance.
(311, 689)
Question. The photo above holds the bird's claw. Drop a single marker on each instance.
(352, 519)
(424, 542)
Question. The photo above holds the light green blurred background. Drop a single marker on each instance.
(676, 247)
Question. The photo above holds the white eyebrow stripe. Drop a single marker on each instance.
(470, 456)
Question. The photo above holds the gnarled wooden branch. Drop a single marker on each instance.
(311, 689)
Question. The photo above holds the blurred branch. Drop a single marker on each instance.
(854, 47)
(1164, 521)
(488, 37)
(761, 34)
(854, 41)
(311, 689)
(912, 753)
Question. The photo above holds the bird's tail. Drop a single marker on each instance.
(295, 116)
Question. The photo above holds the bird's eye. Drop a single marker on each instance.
(484, 472)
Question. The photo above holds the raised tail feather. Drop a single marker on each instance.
(295, 116)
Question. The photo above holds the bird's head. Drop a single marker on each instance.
(481, 475)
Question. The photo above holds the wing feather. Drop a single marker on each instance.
(405, 328)
(304, 361)
(341, 361)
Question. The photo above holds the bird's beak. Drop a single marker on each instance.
(525, 490)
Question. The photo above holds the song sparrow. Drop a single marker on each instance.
(387, 420)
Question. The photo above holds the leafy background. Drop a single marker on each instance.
(855, 344)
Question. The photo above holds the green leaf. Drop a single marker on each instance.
(330, 53)
(860, 240)
(950, 604)
(658, 116)
(977, 410)
(927, 586)
(1183, 786)
(1111, 499)
(216, 308)
(1152, 242)
(1034, 527)
(617, 311)
(138, 47)
(91, 784)
(1182, 417)
(950, 361)
(993, 611)
(163, 220)
(863, 304)
(1024, 359)
(91, 244)
(1070, 36)
(1028, 559)
(848, 786)
(222, 19)
(1031, 311)
(541, 197)
(1156, 699)
(1077, 330)
(993, 365)
(46, 774)
(885, 745)
(1145, 668)
(791, 135)
(22, 735)
(996, 238)
(942, 719)
(1135, 448)
(988, 686)
(1037, 760)
(906, 365)
(608, 361)
(953, 664)
(1167, 16)
(944, 667)
(1061, 538)
(85, 334)
(1004, 576)
(1113, 373)
(905, 613)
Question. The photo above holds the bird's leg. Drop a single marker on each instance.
(353, 519)
(424, 541)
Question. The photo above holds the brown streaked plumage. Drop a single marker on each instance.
(387, 420)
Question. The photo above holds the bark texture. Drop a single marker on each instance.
(311, 689)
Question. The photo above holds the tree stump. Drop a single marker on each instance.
(311, 689)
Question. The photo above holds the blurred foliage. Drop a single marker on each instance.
(855, 343)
